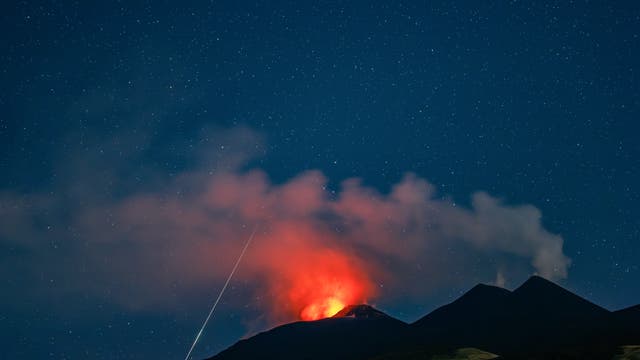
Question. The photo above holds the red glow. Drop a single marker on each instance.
(325, 284)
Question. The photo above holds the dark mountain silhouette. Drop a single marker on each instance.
(538, 320)
(356, 332)
(627, 325)
(363, 312)
(629, 315)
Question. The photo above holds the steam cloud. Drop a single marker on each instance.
(160, 246)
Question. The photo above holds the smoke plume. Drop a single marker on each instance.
(315, 249)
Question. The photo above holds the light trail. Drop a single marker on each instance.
(213, 308)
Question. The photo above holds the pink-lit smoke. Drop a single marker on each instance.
(315, 249)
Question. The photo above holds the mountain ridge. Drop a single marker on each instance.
(539, 319)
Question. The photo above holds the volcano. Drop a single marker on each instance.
(538, 320)
(356, 332)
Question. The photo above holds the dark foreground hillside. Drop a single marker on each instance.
(538, 320)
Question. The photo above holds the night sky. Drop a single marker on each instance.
(141, 142)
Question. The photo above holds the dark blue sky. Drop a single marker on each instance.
(533, 102)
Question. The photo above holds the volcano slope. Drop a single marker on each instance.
(356, 332)
(538, 320)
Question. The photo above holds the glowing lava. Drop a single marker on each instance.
(308, 276)
(326, 286)
(322, 309)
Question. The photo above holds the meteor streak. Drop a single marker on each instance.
(213, 308)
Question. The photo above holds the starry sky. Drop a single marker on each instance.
(501, 138)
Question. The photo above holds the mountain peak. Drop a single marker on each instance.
(484, 292)
(547, 294)
(361, 311)
(539, 286)
(537, 282)
(487, 288)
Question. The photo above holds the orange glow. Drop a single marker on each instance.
(322, 309)
(309, 275)
(326, 284)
